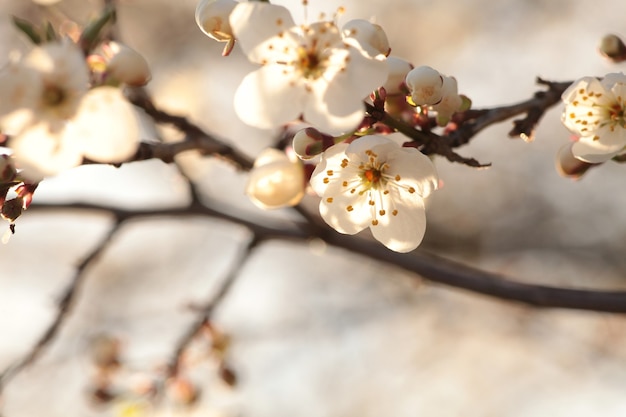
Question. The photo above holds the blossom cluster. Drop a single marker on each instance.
(321, 73)
(62, 103)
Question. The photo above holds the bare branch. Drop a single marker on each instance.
(64, 308)
(430, 267)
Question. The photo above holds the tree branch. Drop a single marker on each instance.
(430, 267)
(65, 305)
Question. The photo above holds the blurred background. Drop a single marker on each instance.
(316, 331)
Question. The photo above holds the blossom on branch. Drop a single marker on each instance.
(595, 111)
(307, 70)
(54, 119)
(275, 180)
(374, 182)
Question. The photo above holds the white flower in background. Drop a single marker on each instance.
(54, 121)
(212, 18)
(374, 182)
(425, 85)
(275, 180)
(595, 110)
(307, 70)
(46, 86)
(367, 35)
(398, 71)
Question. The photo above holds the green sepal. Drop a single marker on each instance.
(91, 34)
(51, 35)
(28, 29)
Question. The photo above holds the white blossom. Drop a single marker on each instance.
(55, 121)
(595, 111)
(275, 180)
(374, 182)
(307, 70)
(425, 85)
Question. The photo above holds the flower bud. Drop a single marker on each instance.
(568, 165)
(612, 47)
(182, 391)
(450, 102)
(275, 180)
(425, 85)
(310, 142)
(212, 18)
(369, 36)
(398, 70)
(12, 209)
(128, 66)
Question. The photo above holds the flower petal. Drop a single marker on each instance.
(337, 102)
(404, 231)
(595, 152)
(106, 126)
(411, 168)
(43, 153)
(262, 30)
(266, 100)
(344, 210)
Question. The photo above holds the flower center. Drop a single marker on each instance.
(616, 114)
(53, 96)
(372, 175)
(309, 62)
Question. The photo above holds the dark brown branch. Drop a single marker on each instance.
(474, 121)
(431, 267)
(471, 122)
(196, 138)
(429, 142)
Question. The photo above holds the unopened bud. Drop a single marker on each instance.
(227, 375)
(568, 165)
(425, 85)
(128, 66)
(612, 47)
(275, 180)
(369, 36)
(310, 142)
(182, 391)
(105, 351)
(12, 209)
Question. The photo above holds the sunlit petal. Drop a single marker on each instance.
(265, 99)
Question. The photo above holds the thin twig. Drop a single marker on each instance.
(206, 310)
(64, 308)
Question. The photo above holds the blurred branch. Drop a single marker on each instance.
(64, 308)
(195, 137)
(430, 267)
(206, 310)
